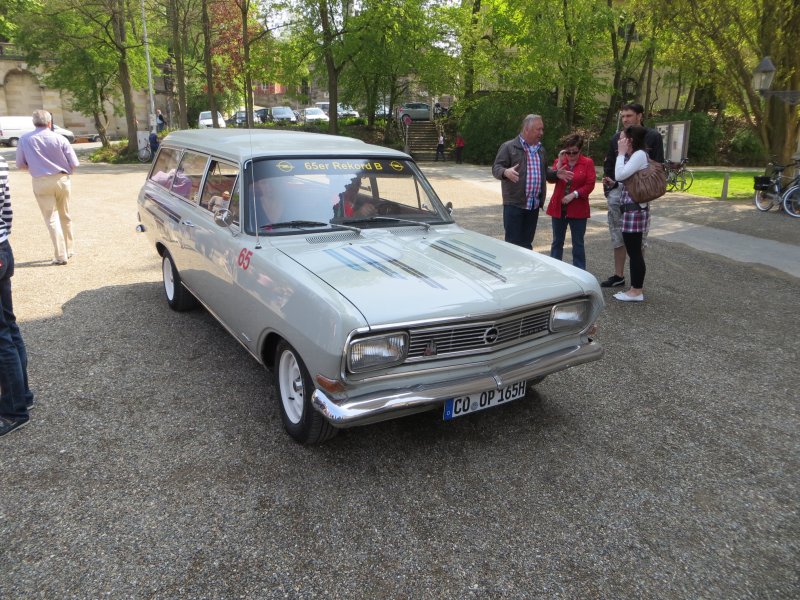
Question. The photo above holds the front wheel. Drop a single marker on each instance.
(178, 297)
(791, 201)
(145, 154)
(294, 387)
(764, 200)
(685, 180)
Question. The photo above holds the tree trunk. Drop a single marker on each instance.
(330, 66)
(118, 23)
(180, 69)
(212, 101)
(470, 48)
(248, 82)
(619, 70)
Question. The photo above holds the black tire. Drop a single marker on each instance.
(763, 200)
(293, 386)
(687, 180)
(145, 154)
(178, 297)
(791, 201)
(13, 142)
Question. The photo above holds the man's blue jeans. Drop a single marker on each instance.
(520, 225)
(577, 228)
(15, 395)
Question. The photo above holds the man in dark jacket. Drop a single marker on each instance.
(522, 168)
(631, 114)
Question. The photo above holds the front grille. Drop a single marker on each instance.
(431, 343)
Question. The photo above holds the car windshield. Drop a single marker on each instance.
(314, 111)
(293, 196)
(281, 111)
(206, 114)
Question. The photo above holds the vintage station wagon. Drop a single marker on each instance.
(334, 263)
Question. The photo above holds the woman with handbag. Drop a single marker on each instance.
(631, 157)
(569, 204)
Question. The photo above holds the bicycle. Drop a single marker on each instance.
(678, 176)
(770, 188)
(791, 198)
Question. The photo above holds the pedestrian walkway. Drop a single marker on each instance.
(736, 246)
(730, 244)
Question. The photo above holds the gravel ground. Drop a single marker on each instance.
(155, 465)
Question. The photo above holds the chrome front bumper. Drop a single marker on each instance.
(391, 404)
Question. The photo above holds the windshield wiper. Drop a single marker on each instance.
(427, 226)
(294, 224)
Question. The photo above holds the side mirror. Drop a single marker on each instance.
(223, 217)
(449, 207)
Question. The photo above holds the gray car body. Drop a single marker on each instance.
(293, 290)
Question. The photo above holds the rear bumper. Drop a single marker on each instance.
(363, 410)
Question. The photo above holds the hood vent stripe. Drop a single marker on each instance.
(474, 249)
(469, 262)
(408, 269)
(343, 259)
(373, 263)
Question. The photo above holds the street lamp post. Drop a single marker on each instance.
(152, 116)
(762, 81)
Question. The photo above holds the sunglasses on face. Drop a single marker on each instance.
(572, 152)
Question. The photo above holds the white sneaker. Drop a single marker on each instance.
(624, 297)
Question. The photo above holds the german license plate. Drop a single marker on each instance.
(464, 405)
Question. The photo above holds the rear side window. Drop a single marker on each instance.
(189, 175)
(163, 171)
(219, 190)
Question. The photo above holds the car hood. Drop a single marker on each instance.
(394, 275)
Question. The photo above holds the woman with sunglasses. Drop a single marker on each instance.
(569, 205)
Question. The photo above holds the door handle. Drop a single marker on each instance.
(187, 223)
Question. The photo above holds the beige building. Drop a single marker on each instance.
(22, 92)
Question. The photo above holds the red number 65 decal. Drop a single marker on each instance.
(244, 258)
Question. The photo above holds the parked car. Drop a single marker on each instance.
(204, 120)
(324, 106)
(313, 114)
(414, 111)
(240, 118)
(334, 263)
(282, 114)
(347, 111)
(65, 132)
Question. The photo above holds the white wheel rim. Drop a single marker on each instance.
(169, 280)
(291, 387)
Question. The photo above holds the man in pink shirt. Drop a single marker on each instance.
(50, 160)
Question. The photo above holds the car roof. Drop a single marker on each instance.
(240, 145)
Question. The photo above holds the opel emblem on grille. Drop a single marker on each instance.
(490, 336)
(430, 349)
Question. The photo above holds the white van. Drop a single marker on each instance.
(11, 128)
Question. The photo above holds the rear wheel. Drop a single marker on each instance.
(145, 154)
(294, 387)
(670, 180)
(764, 200)
(13, 142)
(791, 201)
(685, 180)
(178, 297)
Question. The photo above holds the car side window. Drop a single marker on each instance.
(165, 167)
(219, 188)
(189, 175)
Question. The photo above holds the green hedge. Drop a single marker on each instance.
(489, 120)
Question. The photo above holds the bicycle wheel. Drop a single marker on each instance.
(145, 154)
(791, 201)
(686, 180)
(670, 181)
(764, 200)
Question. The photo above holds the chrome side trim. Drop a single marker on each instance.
(363, 410)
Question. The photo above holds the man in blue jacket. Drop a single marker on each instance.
(522, 168)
